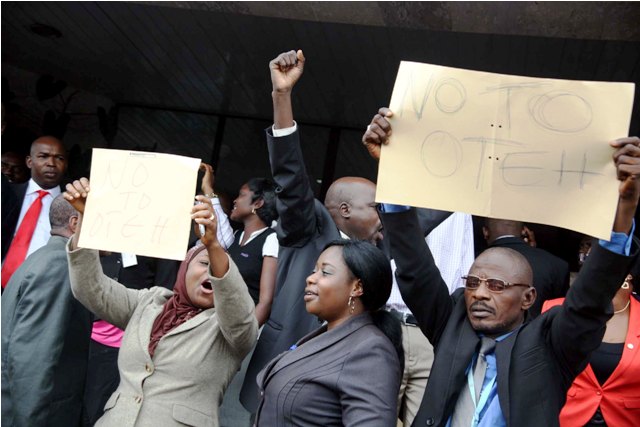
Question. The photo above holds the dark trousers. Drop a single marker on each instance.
(102, 380)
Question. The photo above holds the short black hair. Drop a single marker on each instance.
(369, 264)
(265, 189)
(60, 212)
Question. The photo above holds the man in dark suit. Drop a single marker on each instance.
(48, 163)
(550, 273)
(527, 365)
(45, 335)
(305, 225)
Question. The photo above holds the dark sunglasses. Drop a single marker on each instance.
(494, 285)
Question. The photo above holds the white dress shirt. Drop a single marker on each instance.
(451, 244)
(42, 233)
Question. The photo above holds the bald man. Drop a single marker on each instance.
(550, 273)
(45, 334)
(47, 161)
(305, 225)
(494, 365)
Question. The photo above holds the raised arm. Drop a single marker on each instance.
(579, 325)
(225, 232)
(106, 298)
(234, 306)
(286, 69)
(295, 201)
(421, 285)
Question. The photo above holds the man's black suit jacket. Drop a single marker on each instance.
(550, 273)
(12, 196)
(536, 365)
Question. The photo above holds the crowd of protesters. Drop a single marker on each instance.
(344, 312)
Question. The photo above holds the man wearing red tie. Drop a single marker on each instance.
(25, 224)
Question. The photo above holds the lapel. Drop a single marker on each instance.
(317, 341)
(264, 374)
(503, 364)
(457, 356)
(628, 354)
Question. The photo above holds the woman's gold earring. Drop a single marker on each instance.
(626, 283)
(352, 305)
(253, 210)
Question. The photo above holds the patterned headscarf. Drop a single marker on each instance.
(179, 308)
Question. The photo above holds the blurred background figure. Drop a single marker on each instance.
(14, 167)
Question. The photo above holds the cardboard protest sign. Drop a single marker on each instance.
(502, 146)
(139, 203)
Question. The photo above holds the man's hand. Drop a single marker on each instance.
(286, 70)
(76, 194)
(378, 132)
(627, 160)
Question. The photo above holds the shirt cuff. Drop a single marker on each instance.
(620, 243)
(284, 131)
(391, 208)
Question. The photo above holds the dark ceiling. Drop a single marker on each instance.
(191, 78)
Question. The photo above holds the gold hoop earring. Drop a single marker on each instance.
(253, 210)
(626, 283)
(352, 305)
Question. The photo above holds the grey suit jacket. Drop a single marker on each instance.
(184, 382)
(349, 376)
(45, 343)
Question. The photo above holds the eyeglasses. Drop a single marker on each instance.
(494, 285)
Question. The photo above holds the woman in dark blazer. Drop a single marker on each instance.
(347, 372)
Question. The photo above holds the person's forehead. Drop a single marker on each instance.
(12, 159)
(498, 265)
(332, 255)
(48, 146)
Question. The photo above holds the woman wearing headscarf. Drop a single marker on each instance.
(180, 349)
(607, 392)
(347, 372)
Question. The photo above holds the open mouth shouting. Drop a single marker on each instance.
(206, 287)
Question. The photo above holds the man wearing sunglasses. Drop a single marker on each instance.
(494, 366)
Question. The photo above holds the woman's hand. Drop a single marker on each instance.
(208, 180)
(76, 193)
(203, 214)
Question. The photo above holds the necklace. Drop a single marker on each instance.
(623, 309)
